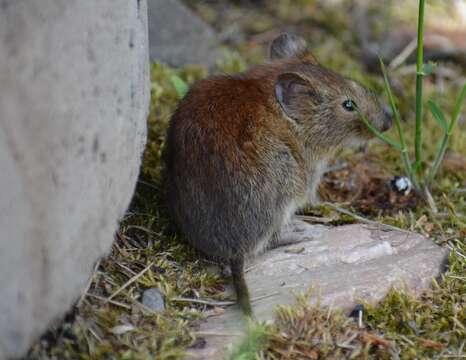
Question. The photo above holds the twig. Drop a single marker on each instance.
(220, 303)
(347, 343)
(403, 55)
(94, 334)
(204, 302)
(148, 184)
(364, 220)
(130, 281)
(265, 296)
(315, 219)
(142, 228)
(125, 268)
(113, 302)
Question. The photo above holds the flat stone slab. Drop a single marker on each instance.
(344, 264)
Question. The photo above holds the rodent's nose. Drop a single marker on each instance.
(387, 120)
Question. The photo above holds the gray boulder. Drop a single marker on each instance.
(178, 37)
(74, 98)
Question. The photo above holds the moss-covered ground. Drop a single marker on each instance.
(109, 321)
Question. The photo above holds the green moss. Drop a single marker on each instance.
(146, 241)
(255, 340)
(437, 316)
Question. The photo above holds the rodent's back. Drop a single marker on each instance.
(232, 165)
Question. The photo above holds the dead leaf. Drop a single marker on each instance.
(218, 311)
(429, 227)
(432, 344)
(294, 251)
(374, 339)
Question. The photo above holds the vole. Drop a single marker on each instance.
(245, 151)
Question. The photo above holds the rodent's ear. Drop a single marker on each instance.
(286, 46)
(295, 94)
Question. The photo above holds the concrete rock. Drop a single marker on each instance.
(178, 37)
(74, 98)
(345, 264)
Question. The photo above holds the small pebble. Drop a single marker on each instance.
(153, 299)
(122, 329)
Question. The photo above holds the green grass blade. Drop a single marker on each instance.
(444, 143)
(457, 110)
(438, 115)
(391, 99)
(180, 86)
(438, 159)
(419, 87)
(377, 133)
(396, 115)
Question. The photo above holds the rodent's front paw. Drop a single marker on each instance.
(296, 231)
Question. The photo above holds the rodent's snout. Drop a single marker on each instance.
(387, 118)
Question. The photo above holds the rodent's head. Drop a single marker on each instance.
(323, 104)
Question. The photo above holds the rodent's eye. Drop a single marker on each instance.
(349, 105)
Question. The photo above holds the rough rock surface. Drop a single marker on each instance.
(344, 264)
(178, 37)
(74, 98)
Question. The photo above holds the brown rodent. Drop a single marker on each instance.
(245, 151)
